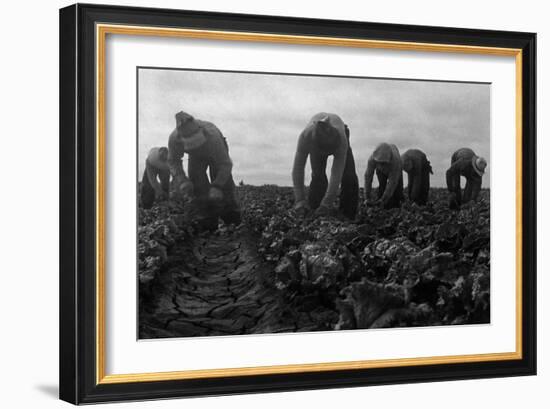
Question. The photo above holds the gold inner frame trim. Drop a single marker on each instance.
(101, 33)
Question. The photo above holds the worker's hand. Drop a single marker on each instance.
(215, 193)
(301, 208)
(374, 203)
(370, 202)
(322, 211)
(186, 188)
(161, 195)
(453, 201)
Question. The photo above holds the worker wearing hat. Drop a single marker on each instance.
(208, 152)
(156, 167)
(386, 161)
(418, 168)
(466, 163)
(325, 135)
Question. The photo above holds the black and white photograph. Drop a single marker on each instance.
(275, 204)
(279, 202)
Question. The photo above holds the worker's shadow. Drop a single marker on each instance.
(49, 390)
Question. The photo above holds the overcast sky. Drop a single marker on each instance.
(261, 115)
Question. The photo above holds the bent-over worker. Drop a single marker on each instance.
(325, 135)
(386, 161)
(156, 166)
(213, 192)
(418, 168)
(466, 163)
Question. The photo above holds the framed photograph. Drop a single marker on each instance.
(257, 203)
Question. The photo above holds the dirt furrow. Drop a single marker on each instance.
(216, 285)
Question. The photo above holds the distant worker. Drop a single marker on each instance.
(386, 161)
(325, 135)
(465, 162)
(208, 151)
(156, 165)
(418, 169)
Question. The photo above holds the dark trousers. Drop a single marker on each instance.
(349, 188)
(147, 192)
(397, 196)
(419, 186)
(471, 190)
(205, 210)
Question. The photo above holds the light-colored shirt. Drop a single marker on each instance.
(214, 152)
(307, 146)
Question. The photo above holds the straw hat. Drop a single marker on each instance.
(479, 165)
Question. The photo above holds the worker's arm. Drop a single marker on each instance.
(369, 174)
(298, 168)
(476, 188)
(222, 161)
(338, 165)
(175, 157)
(453, 176)
(453, 184)
(152, 177)
(396, 173)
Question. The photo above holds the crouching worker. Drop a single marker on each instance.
(386, 161)
(156, 166)
(325, 135)
(466, 163)
(418, 168)
(212, 193)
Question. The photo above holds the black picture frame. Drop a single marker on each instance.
(78, 236)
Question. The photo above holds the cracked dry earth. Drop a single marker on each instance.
(216, 285)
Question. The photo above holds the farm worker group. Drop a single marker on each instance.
(210, 187)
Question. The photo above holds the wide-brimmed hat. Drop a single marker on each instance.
(479, 164)
(191, 131)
